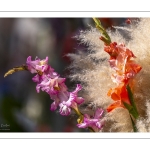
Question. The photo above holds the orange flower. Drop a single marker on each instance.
(122, 62)
(114, 105)
(132, 69)
(119, 95)
(112, 50)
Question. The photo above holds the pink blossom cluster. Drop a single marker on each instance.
(50, 82)
(93, 122)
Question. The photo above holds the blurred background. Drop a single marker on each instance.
(22, 109)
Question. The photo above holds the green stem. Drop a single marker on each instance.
(131, 110)
(133, 124)
(91, 129)
(130, 94)
(105, 38)
(77, 111)
(16, 69)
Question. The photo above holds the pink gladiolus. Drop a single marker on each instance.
(64, 109)
(71, 102)
(52, 86)
(94, 122)
(37, 65)
(58, 98)
(55, 104)
(49, 81)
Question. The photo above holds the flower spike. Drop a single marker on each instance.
(105, 38)
(15, 69)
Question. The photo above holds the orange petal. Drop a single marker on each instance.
(116, 104)
(119, 93)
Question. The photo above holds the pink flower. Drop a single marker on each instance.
(37, 66)
(49, 81)
(64, 109)
(55, 104)
(94, 122)
(73, 98)
(37, 78)
(71, 102)
(58, 99)
(50, 72)
(51, 86)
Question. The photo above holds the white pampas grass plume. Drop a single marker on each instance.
(143, 124)
(92, 70)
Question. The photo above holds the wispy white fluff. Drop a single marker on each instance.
(91, 68)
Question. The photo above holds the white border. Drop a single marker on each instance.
(78, 8)
(79, 14)
(78, 144)
(76, 5)
(83, 135)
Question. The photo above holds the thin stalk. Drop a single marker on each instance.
(133, 124)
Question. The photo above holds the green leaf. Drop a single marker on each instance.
(131, 110)
(130, 94)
